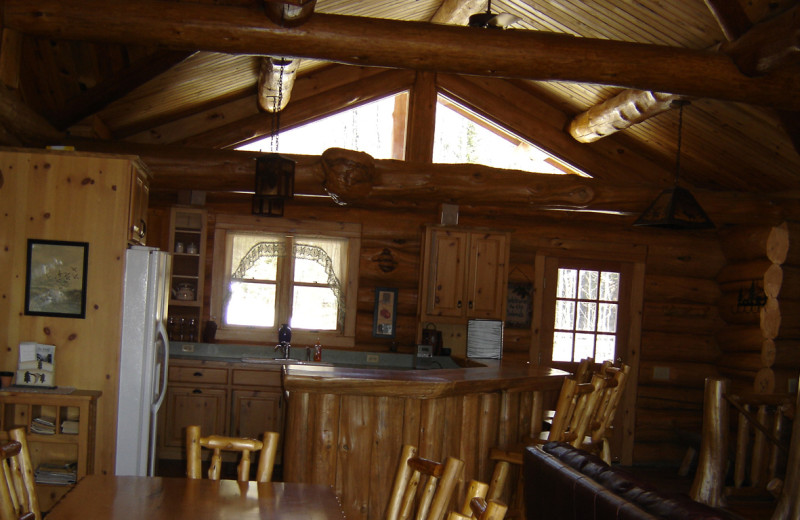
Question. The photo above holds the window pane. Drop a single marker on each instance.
(565, 315)
(366, 128)
(319, 260)
(251, 304)
(562, 346)
(609, 286)
(605, 348)
(314, 308)
(588, 285)
(587, 314)
(566, 283)
(254, 257)
(584, 346)
(607, 319)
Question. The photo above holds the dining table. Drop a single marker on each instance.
(174, 498)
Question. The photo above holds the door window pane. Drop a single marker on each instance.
(586, 314)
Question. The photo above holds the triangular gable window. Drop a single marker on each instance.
(463, 136)
(366, 128)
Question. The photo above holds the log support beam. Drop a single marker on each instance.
(512, 53)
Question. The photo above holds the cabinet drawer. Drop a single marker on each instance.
(198, 374)
(257, 377)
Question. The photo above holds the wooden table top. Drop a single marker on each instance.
(165, 498)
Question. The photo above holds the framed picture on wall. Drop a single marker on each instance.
(55, 279)
(385, 320)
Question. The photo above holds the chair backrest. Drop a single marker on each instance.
(482, 509)
(437, 491)
(575, 409)
(218, 443)
(18, 500)
(601, 423)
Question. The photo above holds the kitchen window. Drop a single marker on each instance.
(275, 271)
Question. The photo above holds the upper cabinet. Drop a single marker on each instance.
(187, 241)
(465, 273)
(137, 217)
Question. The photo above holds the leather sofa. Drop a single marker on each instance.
(566, 483)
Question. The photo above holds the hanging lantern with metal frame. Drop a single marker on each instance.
(274, 176)
(676, 207)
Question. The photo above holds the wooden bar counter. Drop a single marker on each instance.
(345, 426)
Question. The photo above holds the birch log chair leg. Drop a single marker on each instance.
(18, 500)
(435, 497)
(218, 443)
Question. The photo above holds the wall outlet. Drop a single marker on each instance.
(187, 347)
(372, 358)
(661, 373)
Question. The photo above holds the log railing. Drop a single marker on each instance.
(759, 455)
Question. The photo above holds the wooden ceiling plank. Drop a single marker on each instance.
(730, 16)
(113, 88)
(512, 53)
(215, 115)
(10, 58)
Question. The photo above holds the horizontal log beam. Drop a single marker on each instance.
(524, 54)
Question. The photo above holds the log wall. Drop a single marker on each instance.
(681, 317)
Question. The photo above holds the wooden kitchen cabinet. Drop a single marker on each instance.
(465, 272)
(70, 423)
(187, 242)
(137, 216)
(188, 405)
(225, 398)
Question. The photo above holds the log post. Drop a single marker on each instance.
(709, 482)
(788, 505)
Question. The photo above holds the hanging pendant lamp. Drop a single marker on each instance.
(675, 207)
(274, 176)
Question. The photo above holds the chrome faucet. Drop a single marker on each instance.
(285, 348)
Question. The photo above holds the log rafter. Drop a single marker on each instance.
(400, 44)
(755, 49)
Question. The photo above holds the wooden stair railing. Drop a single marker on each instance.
(759, 453)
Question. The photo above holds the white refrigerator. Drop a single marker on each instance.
(144, 355)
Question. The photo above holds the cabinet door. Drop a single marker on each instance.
(448, 259)
(191, 405)
(137, 217)
(255, 412)
(486, 284)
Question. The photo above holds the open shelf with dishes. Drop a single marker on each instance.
(187, 242)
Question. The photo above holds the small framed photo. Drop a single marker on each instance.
(385, 319)
(55, 281)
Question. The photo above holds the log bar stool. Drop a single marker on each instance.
(219, 443)
(18, 499)
(438, 490)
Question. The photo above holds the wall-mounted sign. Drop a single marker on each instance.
(519, 308)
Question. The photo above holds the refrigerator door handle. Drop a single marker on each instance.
(162, 391)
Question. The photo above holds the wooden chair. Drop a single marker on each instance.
(481, 509)
(602, 421)
(18, 500)
(584, 412)
(435, 497)
(219, 443)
